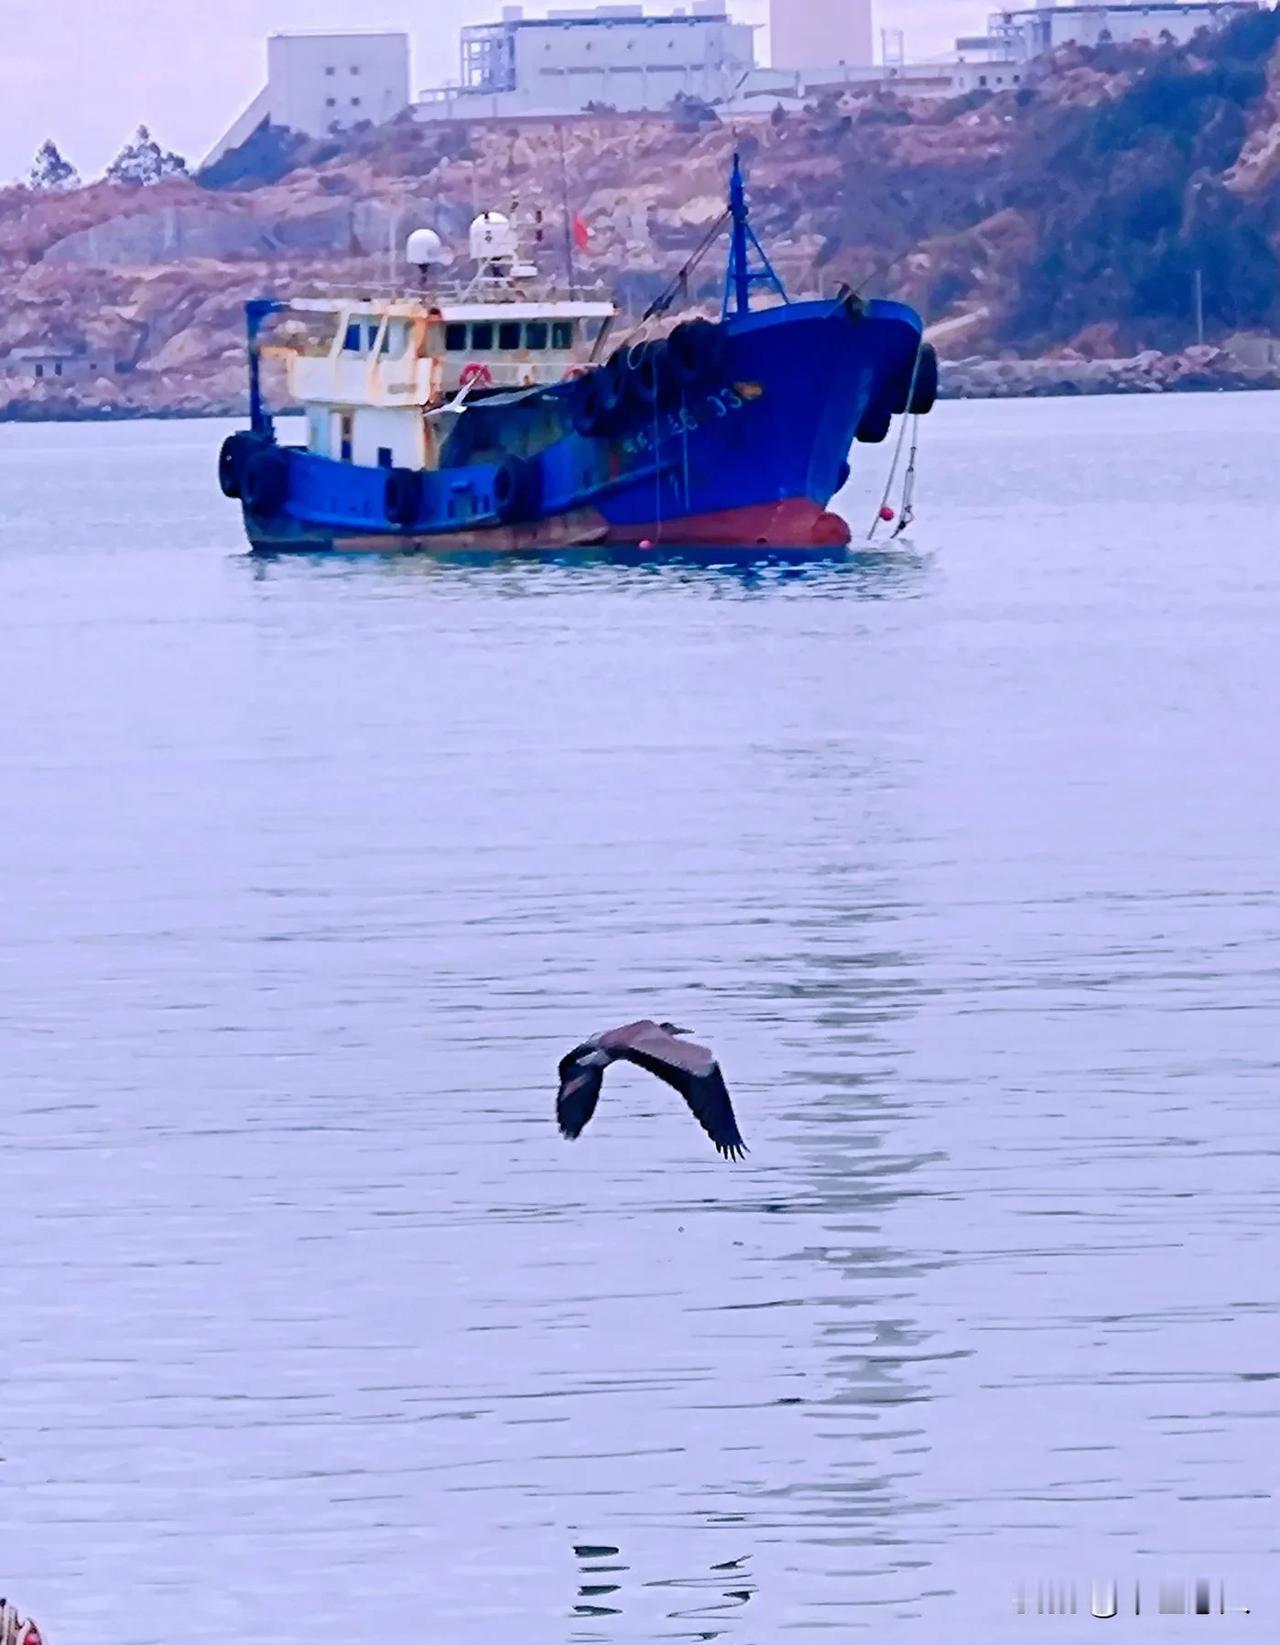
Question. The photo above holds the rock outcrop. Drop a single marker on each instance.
(1194, 370)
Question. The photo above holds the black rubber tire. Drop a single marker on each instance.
(617, 389)
(588, 408)
(235, 453)
(697, 350)
(875, 425)
(404, 496)
(266, 481)
(919, 395)
(517, 490)
(656, 385)
(925, 395)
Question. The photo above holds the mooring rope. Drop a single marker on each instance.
(885, 513)
(907, 512)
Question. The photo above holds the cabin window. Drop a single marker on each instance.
(386, 458)
(509, 334)
(562, 336)
(535, 334)
(482, 338)
(353, 342)
(39, 371)
(455, 339)
(396, 338)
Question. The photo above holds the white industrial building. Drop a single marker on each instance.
(612, 57)
(997, 60)
(322, 83)
(807, 33)
(618, 57)
(1031, 33)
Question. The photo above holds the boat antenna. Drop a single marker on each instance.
(570, 266)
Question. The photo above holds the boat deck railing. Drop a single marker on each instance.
(454, 293)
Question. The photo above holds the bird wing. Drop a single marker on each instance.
(581, 1082)
(694, 1072)
(618, 1041)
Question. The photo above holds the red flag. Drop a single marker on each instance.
(581, 233)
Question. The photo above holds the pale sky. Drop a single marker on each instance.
(87, 72)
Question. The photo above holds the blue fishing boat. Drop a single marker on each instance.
(492, 415)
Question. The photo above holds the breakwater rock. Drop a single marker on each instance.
(1196, 370)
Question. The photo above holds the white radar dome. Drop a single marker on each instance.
(426, 249)
(493, 239)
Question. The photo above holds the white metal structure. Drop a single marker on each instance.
(994, 61)
(319, 83)
(615, 57)
(426, 250)
(383, 379)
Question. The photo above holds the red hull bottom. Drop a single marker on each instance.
(797, 526)
(795, 523)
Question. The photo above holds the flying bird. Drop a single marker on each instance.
(660, 1048)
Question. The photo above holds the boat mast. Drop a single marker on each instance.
(742, 276)
(740, 271)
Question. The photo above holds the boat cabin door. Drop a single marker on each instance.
(341, 435)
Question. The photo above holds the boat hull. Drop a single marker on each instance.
(749, 460)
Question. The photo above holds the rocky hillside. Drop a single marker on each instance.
(1073, 219)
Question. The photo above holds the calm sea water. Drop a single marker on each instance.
(964, 857)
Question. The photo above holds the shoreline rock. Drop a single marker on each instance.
(1200, 370)
(1196, 371)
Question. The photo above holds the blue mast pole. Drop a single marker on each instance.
(257, 313)
(740, 271)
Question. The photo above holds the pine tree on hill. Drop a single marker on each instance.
(142, 163)
(50, 173)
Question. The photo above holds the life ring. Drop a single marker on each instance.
(476, 375)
